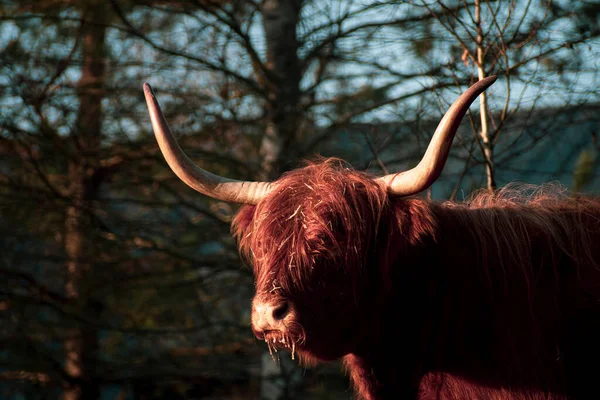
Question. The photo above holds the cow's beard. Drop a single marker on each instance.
(279, 340)
(291, 338)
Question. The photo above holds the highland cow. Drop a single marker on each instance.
(497, 297)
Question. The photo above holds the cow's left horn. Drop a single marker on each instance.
(203, 181)
(430, 167)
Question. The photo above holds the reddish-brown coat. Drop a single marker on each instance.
(494, 298)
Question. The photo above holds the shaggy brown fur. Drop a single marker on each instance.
(497, 297)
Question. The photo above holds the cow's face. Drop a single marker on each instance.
(309, 244)
(313, 318)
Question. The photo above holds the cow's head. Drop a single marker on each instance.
(310, 235)
(309, 242)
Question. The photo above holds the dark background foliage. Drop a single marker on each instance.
(118, 282)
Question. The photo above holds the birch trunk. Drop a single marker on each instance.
(486, 137)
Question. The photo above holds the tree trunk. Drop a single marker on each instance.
(486, 137)
(280, 20)
(81, 343)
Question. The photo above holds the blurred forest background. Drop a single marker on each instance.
(119, 282)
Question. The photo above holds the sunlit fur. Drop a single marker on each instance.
(497, 297)
(442, 386)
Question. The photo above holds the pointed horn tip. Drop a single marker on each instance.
(488, 81)
(148, 89)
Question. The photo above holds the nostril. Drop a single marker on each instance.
(281, 311)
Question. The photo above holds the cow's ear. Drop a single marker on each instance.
(242, 221)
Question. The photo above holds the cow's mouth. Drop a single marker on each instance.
(279, 340)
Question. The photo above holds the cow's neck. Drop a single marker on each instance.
(450, 309)
(387, 362)
(475, 312)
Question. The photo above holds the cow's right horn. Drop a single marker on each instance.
(203, 181)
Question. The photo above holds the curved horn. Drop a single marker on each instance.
(203, 181)
(430, 167)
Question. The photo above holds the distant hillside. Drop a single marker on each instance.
(538, 147)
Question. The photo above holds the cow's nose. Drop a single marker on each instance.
(268, 316)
